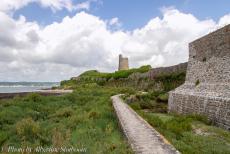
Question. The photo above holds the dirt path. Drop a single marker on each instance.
(143, 138)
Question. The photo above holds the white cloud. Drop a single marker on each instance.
(224, 20)
(86, 5)
(114, 23)
(55, 5)
(58, 51)
(11, 5)
(83, 6)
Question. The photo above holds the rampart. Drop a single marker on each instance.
(154, 72)
(206, 90)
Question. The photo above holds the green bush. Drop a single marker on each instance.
(171, 81)
(28, 129)
(94, 115)
(64, 112)
(155, 94)
(163, 98)
(94, 75)
(33, 97)
(101, 82)
(3, 137)
(146, 104)
(68, 84)
(135, 106)
(10, 115)
(126, 73)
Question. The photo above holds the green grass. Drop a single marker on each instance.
(83, 119)
(86, 118)
(100, 78)
(190, 134)
(171, 81)
(154, 101)
(94, 75)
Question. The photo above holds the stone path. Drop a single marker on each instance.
(141, 136)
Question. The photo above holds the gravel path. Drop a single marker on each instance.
(143, 138)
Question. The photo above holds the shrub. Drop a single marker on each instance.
(57, 138)
(155, 94)
(71, 97)
(28, 129)
(3, 137)
(160, 108)
(10, 115)
(171, 80)
(68, 83)
(109, 128)
(101, 82)
(127, 91)
(147, 104)
(145, 97)
(94, 115)
(33, 97)
(135, 106)
(163, 98)
(65, 112)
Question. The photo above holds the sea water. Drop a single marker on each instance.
(13, 87)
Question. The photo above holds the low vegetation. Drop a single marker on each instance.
(115, 75)
(83, 119)
(93, 76)
(190, 134)
(171, 80)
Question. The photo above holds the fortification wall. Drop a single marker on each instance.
(207, 87)
(151, 74)
(166, 70)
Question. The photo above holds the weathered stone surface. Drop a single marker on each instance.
(123, 63)
(207, 87)
(141, 136)
(151, 74)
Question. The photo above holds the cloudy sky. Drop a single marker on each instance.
(52, 40)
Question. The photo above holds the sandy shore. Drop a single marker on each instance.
(42, 92)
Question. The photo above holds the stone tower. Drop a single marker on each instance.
(123, 63)
(206, 90)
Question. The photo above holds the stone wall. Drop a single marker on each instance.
(123, 63)
(151, 74)
(166, 70)
(207, 87)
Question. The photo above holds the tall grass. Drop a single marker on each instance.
(190, 134)
(83, 119)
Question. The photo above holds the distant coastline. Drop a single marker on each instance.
(20, 87)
